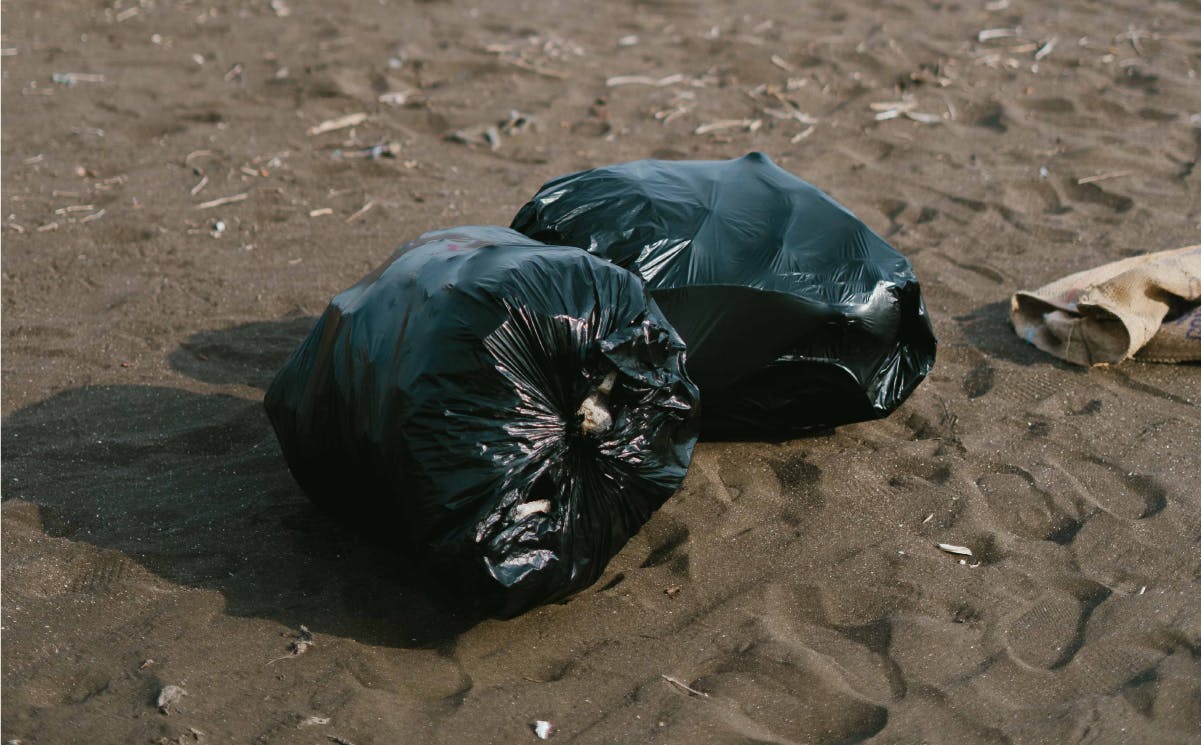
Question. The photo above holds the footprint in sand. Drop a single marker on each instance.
(1094, 194)
(1121, 492)
(668, 539)
(979, 380)
(795, 678)
(1024, 508)
(1050, 632)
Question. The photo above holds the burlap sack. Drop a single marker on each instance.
(1148, 307)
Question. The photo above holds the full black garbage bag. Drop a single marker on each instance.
(507, 411)
(796, 315)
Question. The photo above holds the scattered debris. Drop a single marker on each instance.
(1046, 49)
(75, 208)
(395, 98)
(358, 213)
(1102, 177)
(281, 8)
(989, 34)
(301, 645)
(94, 216)
(320, 212)
(627, 41)
(923, 117)
(520, 57)
(535, 68)
(666, 115)
(218, 229)
(886, 110)
(303, 640)
(487, 133)
(933, 74)
(684, 687)
(375, 152)
(892, 106)
(340, 740)
(782, 63)
(928, 518)
(517, 123)
(222, 200)
(313, 721)
(951, 548)
(802, 134)
(47, 227)
(69, 79)
(542, 729)
(196, 154)
(789, 112)
(1133, 35)
(750, 125)
(490, 134)
(666, 80)
(169, 696)
(108, 183)
(672, 591)
(203, 182)
(342, 122)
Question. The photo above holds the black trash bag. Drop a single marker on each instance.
(796, 315)
(509, 412)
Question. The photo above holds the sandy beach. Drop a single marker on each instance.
(186, 183)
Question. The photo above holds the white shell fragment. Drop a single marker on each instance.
(168, 696)
(525, 509)
(543, 729)
(951, 548)
(597, 418)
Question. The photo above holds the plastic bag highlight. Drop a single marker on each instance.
(509, 411)
(796, 315)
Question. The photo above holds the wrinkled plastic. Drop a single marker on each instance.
(796, 315)
(507, 411)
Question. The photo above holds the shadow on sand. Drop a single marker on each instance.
(194, 487)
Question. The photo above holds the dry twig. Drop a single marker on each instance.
(1102, 177)
(222, 200)
(750, 125)
(360, 212)
(684, 687)
(342, 122)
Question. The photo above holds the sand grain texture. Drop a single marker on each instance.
(152, 536)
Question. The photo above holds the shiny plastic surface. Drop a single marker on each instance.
(509, 411)
(796, 315)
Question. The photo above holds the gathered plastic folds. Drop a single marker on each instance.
(509, 411)
(796, 315)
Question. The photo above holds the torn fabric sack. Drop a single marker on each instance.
(1147, 307)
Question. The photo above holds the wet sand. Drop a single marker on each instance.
(152, 535)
